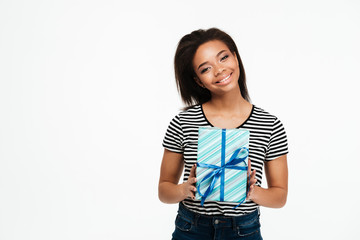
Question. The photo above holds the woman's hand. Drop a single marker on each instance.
(171, 169)
(188, 188)
(277, 180)
(252, 181)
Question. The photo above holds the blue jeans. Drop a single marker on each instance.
(194, 226)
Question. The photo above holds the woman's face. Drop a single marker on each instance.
(217, 68)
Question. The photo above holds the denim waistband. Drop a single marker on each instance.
(218, 220)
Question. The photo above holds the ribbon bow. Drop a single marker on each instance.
(219, 171)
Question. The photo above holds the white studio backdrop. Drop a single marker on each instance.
(87, 91)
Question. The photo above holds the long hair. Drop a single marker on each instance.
(191, 93)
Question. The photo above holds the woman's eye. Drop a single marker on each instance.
(224, 57)
(204, 70)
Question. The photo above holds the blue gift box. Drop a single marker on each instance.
(222, 164)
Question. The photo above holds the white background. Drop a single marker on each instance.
(87, 90)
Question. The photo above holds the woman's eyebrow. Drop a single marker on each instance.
(216, 56)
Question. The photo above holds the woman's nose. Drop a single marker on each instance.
(218, 70)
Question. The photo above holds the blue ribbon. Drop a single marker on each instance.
(219, 171)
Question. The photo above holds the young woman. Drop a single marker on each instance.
(211, 80)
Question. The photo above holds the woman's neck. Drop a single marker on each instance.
(228, 103)
(227, 111)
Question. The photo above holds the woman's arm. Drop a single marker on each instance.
(171, 168)
(277, 179)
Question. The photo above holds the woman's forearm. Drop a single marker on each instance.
(274, 197)
(170, 192)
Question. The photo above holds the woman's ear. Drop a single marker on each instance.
(197, 80)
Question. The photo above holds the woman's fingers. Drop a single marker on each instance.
(251, 184)
(192, 171)
(192, 192)
(190, 189)
(249, 166)
(252, 176)
(189, 186)
(192, 180)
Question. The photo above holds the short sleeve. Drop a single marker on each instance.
(278, 144)
(173, 140)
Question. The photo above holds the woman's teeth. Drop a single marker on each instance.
(224, 79)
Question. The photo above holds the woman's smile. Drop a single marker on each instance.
(225, 80)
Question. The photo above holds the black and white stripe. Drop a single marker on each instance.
(267, 142)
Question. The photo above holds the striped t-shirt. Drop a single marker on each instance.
(267, 142)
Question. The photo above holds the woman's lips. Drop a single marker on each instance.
(224, 81)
